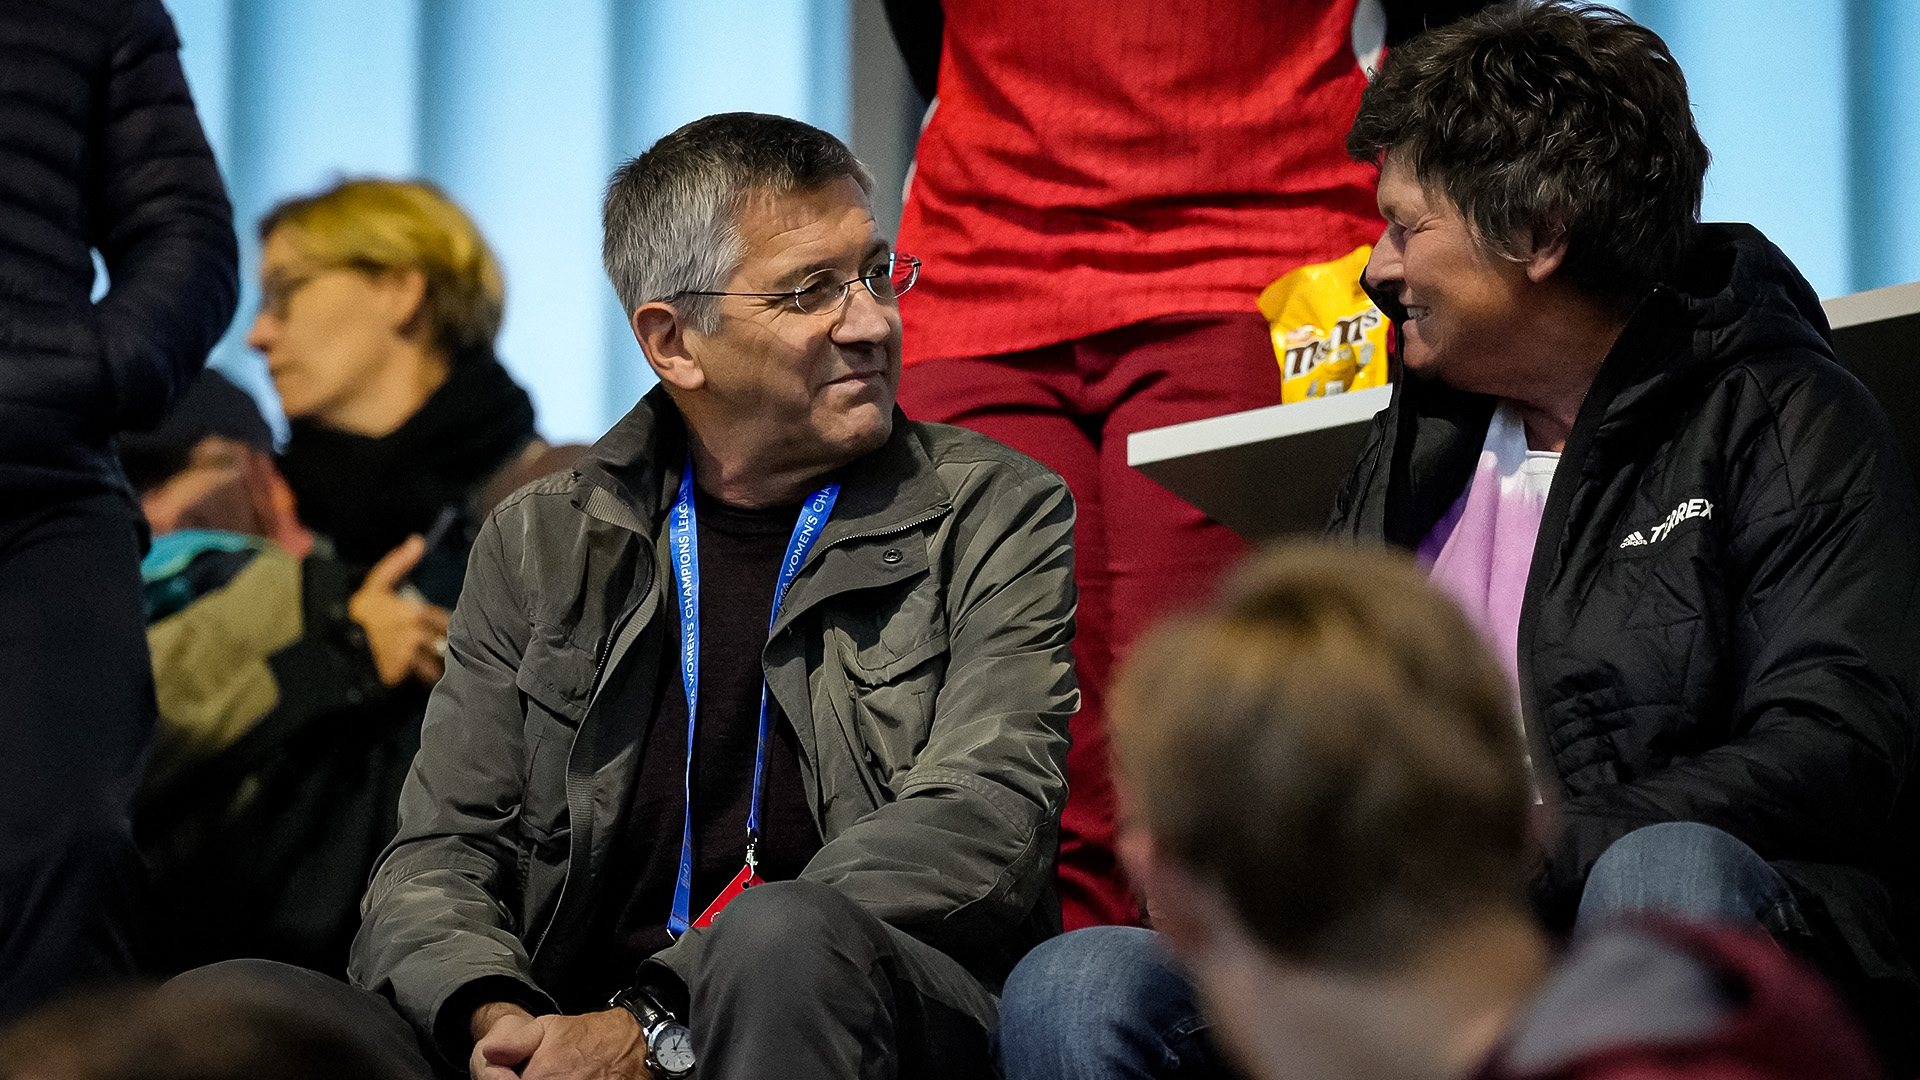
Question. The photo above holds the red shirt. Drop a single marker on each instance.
(1095, 163)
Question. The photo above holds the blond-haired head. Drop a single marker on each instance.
(1332, 747)
(397, 225)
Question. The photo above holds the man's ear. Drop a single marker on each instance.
(1549, 251)
(663, 338)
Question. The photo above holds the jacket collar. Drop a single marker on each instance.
(622, 481)
(1734, 296)
(631, 475)
(1441, 430)
(887, 490)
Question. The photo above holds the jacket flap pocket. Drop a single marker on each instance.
(556, 673)
(879, 666)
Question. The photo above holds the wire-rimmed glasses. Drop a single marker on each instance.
(823, 292)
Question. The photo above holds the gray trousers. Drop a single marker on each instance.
(797, 982)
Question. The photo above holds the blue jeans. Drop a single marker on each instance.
(1109, 1001)
(1687, 869)
(1104, 1002)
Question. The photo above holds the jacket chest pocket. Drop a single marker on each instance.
(894, 669)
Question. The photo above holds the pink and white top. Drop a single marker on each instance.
(1481, 550)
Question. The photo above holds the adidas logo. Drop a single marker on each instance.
(1690, 508)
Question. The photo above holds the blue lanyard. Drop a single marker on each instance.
(683, 544)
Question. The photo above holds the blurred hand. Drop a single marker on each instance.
(512, 1044)
(407, 636)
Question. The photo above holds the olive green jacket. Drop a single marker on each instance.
(922, 656)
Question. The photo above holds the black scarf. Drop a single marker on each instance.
(368, 494)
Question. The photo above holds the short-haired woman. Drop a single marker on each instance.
(379, 306)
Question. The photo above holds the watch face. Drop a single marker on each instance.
(673, 1049)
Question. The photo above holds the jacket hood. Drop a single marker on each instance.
(1746, 297)
(1641, 995)
(1734, 298)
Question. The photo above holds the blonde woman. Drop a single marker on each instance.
(380, 302)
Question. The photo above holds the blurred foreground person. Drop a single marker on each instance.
(290, 689)
(175, 1033)
(379, 304)
(1328, 809)
(1623, 447)
(100, 150)
(1101, 192)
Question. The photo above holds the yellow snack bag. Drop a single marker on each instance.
(1327, 335)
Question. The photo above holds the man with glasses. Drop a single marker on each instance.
(750, 750)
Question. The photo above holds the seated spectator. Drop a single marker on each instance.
(290, 690)
(379, 306)
(293, 668)
(1328, 811)
(174, 1033)
(1622, 445)
(1625, 449)
(749, 754)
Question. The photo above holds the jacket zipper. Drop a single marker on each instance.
(921, 519)
(917, 520)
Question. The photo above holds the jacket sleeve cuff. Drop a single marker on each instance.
(666, 986)
(452, 1031)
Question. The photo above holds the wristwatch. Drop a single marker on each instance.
(669, 1043)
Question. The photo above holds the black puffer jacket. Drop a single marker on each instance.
(1720, 623)
(100, 148)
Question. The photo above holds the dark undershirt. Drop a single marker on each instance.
(740, 553)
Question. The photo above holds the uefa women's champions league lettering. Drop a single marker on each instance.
(683, 536)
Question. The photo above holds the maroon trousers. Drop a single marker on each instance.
(1140, 551)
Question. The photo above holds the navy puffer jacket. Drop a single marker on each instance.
(100, 149)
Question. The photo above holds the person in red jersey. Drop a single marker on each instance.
(1102, 189)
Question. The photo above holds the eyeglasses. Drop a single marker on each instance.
(277, 290)
(821, 293)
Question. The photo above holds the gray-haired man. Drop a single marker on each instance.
(870, 617)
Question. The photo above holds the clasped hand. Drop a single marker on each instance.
(513, 1044)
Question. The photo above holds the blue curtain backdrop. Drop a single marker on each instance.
(521, 109)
